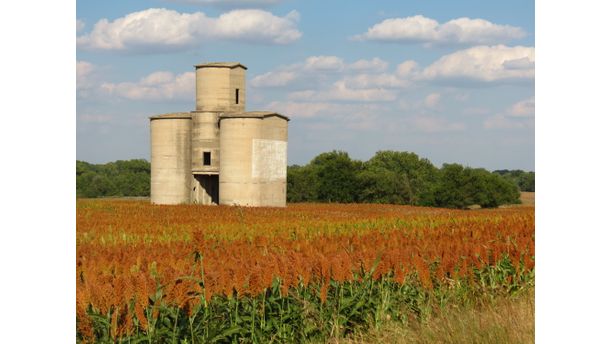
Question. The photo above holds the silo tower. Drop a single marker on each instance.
(220, 88)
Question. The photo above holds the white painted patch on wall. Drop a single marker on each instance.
(269, 160)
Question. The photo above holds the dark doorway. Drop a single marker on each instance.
(207, 192)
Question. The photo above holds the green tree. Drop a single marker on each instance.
(460, 187)
(452, 189)
(524, 180)
(335, 177)
(119, 178)
(300, 184)
(399, 176)
(379, 185)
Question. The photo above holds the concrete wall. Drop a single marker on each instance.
(236, 183)
(253, 169)
(271, 152)
(170, 159)
(204, 138)
(237, 81)
(216, 89)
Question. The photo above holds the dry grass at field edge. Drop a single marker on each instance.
(528, 198)
(504, 320)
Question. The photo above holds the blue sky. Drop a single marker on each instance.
(452, 81)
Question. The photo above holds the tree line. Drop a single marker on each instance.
(401, 178)
(120, 178)
(388, 177)
(524, 180)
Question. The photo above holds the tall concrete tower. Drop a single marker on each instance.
(220, 88)
(219, 153)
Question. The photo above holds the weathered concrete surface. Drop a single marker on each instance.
(253, 169)
(170, 158)
(272, 156)
(204, 138)
(236, 183)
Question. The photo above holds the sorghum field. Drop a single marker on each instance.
(307, 273)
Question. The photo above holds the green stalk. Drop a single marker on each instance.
(254, 306)
(191, 320)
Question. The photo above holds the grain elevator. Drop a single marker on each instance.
(219, 153)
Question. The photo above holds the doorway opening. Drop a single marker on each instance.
(206, 189)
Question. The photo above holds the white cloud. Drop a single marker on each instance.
(420, 29)
(324, 63)
(84, 70)
(303, 109)
(255, 26)
(432, 100)
(520, 63)
(79, 25)
(318, 69)
(524, 108)
(375, 80)
(159, 29)
(373, 65)
(407, 68)
(87, 78)
(484, 64)
(519, 115)
(273, 79)
(231, 3)
(157, 86)
(358, 116)
(341, 92)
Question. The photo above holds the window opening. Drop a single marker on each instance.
(206, 158)
(237, 97)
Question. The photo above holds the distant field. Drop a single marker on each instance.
(528, 198)
(305, 273)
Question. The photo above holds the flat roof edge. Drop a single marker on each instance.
(230, 65)
(252, 114)
(172, 115)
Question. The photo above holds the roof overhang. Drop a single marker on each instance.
(230, 65)
(252, 114)
(173, 115)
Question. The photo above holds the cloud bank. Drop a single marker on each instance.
(160, 30)
(520, 115)
(157, 86)
(420, 29)
(231, 3)
(484, 64)
(476, 66)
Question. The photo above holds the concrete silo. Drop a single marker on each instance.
(271, 150)
(219, 154)
(170, 163)
(253, 167)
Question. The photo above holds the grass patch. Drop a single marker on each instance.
(504, 319)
